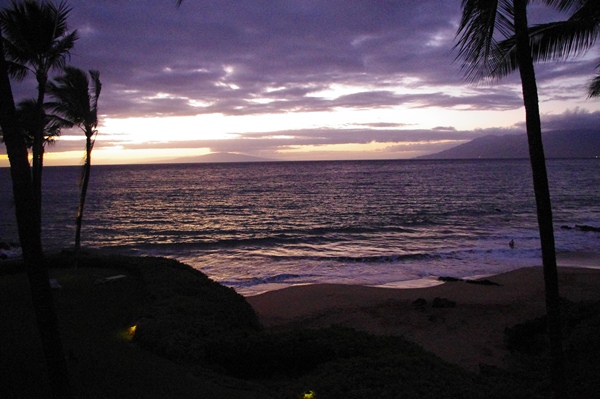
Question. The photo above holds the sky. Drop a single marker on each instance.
(296, 80)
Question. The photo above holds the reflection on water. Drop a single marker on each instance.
(362, 221)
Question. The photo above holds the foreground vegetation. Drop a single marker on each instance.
(195, 338)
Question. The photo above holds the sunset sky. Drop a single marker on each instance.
(296, 80)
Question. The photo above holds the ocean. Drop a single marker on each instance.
(262, 226)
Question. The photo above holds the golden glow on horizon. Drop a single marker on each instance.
(369, 147)
(118, 155)
(222, 127)
(372, 147)
(172, 137)
(161, 139)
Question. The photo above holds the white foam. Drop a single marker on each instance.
(409, 284)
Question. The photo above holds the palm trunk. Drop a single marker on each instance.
(84, 186)
(38, 146)
(542, 194)
(28, 223)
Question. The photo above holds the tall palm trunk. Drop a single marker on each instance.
(84, 186)
(542, 192)
(29, 235)
(38, 145)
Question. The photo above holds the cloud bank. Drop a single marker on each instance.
(388, 65)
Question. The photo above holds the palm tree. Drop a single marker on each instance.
(30, 237)
(27, 114)
(571, 37)
(482, 21)
(37, 40)
(563, 39)
(76, 103)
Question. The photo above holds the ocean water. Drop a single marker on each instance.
(262, 226)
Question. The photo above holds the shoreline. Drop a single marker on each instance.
(587, 260)
(467, 329)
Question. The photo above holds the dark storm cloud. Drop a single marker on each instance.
(207, 56)
(227, 54)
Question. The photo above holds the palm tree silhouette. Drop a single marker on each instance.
(27, 116)
(481, 22)
(30, 237)
(561, 39)
(76, 104)
(27, 195)
(37, 40)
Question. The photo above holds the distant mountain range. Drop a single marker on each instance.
(563, 144)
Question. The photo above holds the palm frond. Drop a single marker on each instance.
(29, 116)
(36, 34)
(17, 71)
(594, 87)
(96, 89)
(555, 40)
(565, 5)
(568, 38)
(61, 13)
(61, 50)
(482, 22)
(75, 97)
(71, 95)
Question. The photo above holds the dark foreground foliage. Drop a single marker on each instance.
(211, 344)
(528, 343)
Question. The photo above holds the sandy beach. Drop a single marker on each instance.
(465, 325)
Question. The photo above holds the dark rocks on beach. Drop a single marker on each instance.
(587, 228)
(581, 227)
(4, 246)
(455, 279)
(482, 282)
(442, 303)
(419, 303)
(449, 279)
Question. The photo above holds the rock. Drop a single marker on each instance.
(449, 279)
(419, 303)
(584, 227)
(482, 282)
(442, 303)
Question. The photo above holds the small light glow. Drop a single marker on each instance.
(309, 395)
(128, 334)
(131, 331)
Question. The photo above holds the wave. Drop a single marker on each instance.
(283, 278)
(248, 239)
(391, 258)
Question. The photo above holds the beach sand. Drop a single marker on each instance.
(469, 334)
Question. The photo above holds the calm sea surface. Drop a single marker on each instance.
(260, 226)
